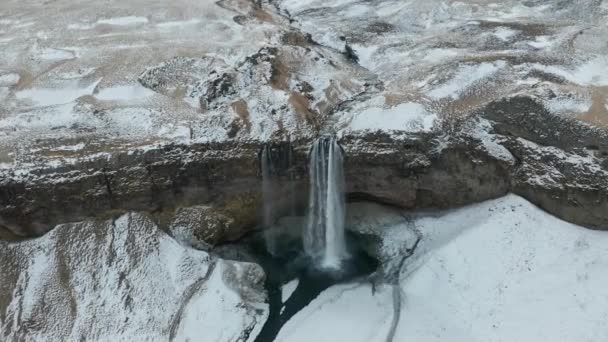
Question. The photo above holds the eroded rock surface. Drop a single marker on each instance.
(477, 160)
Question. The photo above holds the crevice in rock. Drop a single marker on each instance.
(107, 183)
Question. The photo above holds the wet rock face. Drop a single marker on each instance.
(170, 177)
(419, 173)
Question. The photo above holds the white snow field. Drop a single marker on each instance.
(502, 270)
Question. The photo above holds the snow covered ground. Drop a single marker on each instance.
(502, 270)
(124, 280)
(495, 271)
(70, 72)
(69, 69)
(451, 57)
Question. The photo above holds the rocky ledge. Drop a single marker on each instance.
(145, 113)
(512, 145)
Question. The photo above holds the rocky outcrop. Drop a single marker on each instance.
(168, 177)
(429, 172)
(205, 226)
(410, 170)
(562, 162)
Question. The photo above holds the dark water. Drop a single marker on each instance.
(290, 263)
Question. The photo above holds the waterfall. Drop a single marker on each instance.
(267, 197)
(278, 188)
(292, 182)
(324, 234)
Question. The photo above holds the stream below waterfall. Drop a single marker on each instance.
(291, 262)
(319, 256)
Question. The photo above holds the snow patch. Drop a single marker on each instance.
(178, 24)
(49, 96)
(123, 21)
(9, 79)
(542, 42)
(124, 93)
(342, 313)
(437, 55)
(481, 130)
(181, 133)
(80, 26)
(116, 21)
(566, 105)
(590, 73)
(55, 54)
(465, 78)
(407, 116)
(80, 73)
(505, 33)
(131, 121)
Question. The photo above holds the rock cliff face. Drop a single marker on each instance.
(519, 151)
(436, 105)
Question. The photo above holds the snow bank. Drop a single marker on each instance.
(502, 270)
(342, 313)
(42, 97)
(407, 116)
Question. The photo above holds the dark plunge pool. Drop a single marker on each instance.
(290, 262)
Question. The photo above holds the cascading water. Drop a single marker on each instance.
(267, 195)
(278, 187)
(324, 234)
(292, 182)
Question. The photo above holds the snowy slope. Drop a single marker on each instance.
(70, 72)
(123, 280)
(502, 270)
(69, 69)
(450, 57)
